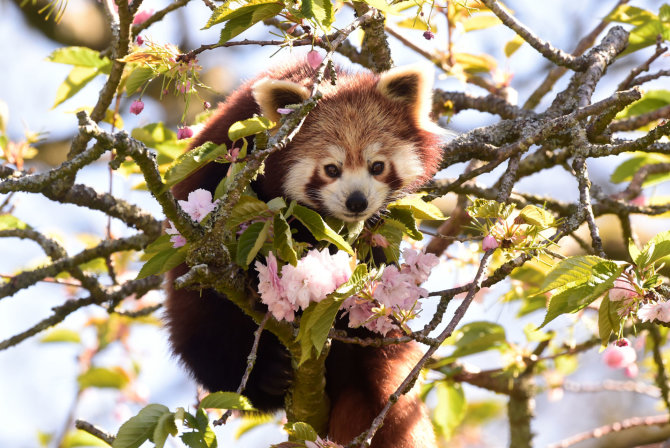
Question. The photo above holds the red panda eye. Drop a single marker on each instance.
(376, 168)
(332, 170)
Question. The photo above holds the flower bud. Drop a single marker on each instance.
(314, 59)
(489, 243)
(136, 107)
(184, 132)
(428, 35)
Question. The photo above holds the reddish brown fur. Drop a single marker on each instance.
(213, 337)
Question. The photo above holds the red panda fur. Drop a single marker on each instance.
(213, 337)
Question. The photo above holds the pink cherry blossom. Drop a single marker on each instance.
(489, 243)
(271, 290)
(284, 111)
(420, 264)
(199, 204)
(314, 59)
(619, 357)
(640, 201)
(184, 132)
(142, 16)
(136, 107)
(379, 240)
(654, 311)
(631, 370)
(176, 239)
(623, 289)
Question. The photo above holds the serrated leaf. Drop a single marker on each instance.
(489, 209)
(246, 128)
(226, 400)
(165, 427)
(406, 217)
(138, 77)
(572, 270)
(513, 45)
(318, 318)
(139, 428)
(392, 230)
(225, 12)
(571, 297)
(633, 250)
(537, 216)
(79, 57)
(608, 320)
(247, 16)
(247, 208)
(251, 421)
(162, 262)
(318, 227)
(319, 10)
(250, 242)
(657, 248)
(75, 81)
(450, 409)
(283, 241)
(301, 431)
(103, 377)
(190, 161)
(9, 222)
(480, 22)
(419, 208)
(61, 335)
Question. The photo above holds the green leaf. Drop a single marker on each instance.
(419, 208)
(627, 169)
(572, 270)
(574, 297)
(190, 161)
(301, 431)
(139, 428)
(608, 320)
(318, 227)
(450, 408)
(61, 335)
(154, 134)
(247, 208)
(384, 6)
(631, 15)
(80, 57)
(283, 241)
(657, 248)
(224, 12)
(138, 77)
(392, 230)
(319, 10)
(250, 243)
(160, 244)
(9, 222)
(277, 204)
(166, 426)
(75, 81)
(226, 400)
(251, 421)
(163, 262)
(102, 377)
(649, 102)
(513, 45)
(318, 318)
(633, 250)
(480, 22)
(246, 128)
(245, 17)
(485, 208)
(406, 217)
(476, 337)
(80, 438)
(644, 35)
(537, 216)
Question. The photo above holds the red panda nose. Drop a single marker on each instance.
(356, 202)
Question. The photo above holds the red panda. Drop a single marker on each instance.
(368, 140)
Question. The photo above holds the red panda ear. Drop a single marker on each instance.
(412, 85)
(273, 94)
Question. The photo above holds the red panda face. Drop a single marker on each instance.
(366, 142)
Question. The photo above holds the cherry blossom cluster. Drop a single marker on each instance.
(395, 294)
(505, 233)
(316, 275)
(630, 294)
(198, 205)
(622, 355)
